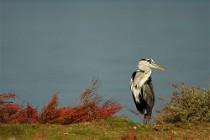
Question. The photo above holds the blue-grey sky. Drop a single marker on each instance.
(59, 46)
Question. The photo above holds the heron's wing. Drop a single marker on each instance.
(148, 93)
(135, 86)
(136, 78)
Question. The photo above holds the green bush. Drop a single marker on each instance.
(188, 104)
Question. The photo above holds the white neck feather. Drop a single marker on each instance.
(145, 78)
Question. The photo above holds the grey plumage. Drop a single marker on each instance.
(142, 87)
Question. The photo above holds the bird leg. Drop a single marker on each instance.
(146, 119)
(132, 111)
(136, 113)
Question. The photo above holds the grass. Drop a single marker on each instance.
(109, 129)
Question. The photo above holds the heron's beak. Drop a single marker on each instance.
(157, 67)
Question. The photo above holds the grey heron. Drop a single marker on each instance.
(142, 88)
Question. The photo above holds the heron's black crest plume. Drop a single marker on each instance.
(150, 60)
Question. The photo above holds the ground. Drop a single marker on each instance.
(109, 129)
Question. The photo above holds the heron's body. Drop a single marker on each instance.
(143, 93)
(142, 87)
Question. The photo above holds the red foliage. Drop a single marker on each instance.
(25, 115)
(133, 134)
(14, 113)
(91, 107)
(5, 97)
(7, 108)
(7, 111)
(50, 112)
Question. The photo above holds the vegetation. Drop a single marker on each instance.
(187, 105)
(104, 129)
(91, 107)
(185, 116)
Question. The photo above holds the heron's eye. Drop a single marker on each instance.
(149, 60)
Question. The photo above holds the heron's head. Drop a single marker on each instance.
(148, 63)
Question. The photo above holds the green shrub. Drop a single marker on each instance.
(188, 104)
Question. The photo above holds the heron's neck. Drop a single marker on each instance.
(146, 74)
(145, 69)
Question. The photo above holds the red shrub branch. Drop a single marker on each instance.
(7, 111)
(25, 115)
(5, 97)
(7, 108)
(50, 111)
(90, 107)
